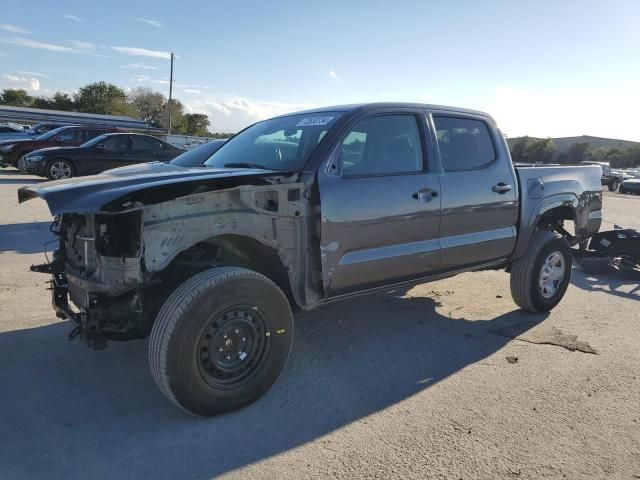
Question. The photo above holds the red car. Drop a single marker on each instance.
(71, 136)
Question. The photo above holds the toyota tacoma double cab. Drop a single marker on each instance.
(292, 213)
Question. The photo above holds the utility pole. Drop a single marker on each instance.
(173, 55)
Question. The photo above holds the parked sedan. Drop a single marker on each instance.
(631, 185)
(12, 150)
(197, 156)
(32, 132)
(102, 153)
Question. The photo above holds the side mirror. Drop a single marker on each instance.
(100, 146)
(59, 140)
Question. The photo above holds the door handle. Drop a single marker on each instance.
(501, 188)
(424, 195)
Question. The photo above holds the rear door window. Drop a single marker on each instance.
(464, 143)
(141, 144)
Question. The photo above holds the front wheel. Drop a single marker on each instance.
(220, 340)
(613, 186)
(59, 169)
(540, 278)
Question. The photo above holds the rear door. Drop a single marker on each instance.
(479, 191)
(141, 149)
(380, 204)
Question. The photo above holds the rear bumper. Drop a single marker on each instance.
(631, 187)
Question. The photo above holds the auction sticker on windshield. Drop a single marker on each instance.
(314, 121)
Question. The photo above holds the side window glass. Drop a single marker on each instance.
(67, 136)
(464, 144)
(141, 144)
(116, 144)
(387, 144)
(91, 134)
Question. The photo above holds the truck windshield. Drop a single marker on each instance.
(283, 143)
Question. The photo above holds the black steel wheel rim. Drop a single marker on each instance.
(232, 347)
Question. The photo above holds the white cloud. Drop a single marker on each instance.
(563, 113)
(333, 74)
(31, 84)
(193, 90)
(161, 82)
(141, 78)
(142, 52)
(233, 113)
(13, 28)
(140, 66)
(31, 74)
(154, 23)
(82, 45)
(73, 18)
(25, 42)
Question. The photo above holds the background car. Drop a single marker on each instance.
(31, 132)
(631, 185)
(9, 128)
(198, 155)
(609, 177)
(102, 153)
(12, 150)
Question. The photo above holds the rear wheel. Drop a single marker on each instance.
(220, 340)
(59, 169)
(540, 278)
(613, 186)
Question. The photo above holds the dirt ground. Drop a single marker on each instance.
(420, 383)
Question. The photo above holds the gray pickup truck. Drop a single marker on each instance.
(294, 212)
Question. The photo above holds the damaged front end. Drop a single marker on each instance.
(117, 264)
(96, 267)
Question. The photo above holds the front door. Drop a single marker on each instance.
(113, 152)
(380, 205)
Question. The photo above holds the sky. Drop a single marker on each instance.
(549, 68)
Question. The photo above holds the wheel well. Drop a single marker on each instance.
(555, 218)
(232, 251)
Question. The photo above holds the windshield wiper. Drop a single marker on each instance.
(245, 165)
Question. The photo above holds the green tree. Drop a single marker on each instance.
(540, 150)
(102, 98)
(195, 124)
(62, 101)
(577, 153)
(519, 150)
(149, 105)
(532, 150)
(176, 108)
(16, 98)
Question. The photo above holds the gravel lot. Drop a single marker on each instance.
(409, 384)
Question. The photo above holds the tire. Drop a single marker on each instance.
(220, 340)
(622, 190)
(528, 289)
(59, 168)
(613, 185)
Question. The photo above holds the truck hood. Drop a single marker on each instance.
(130, 188)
